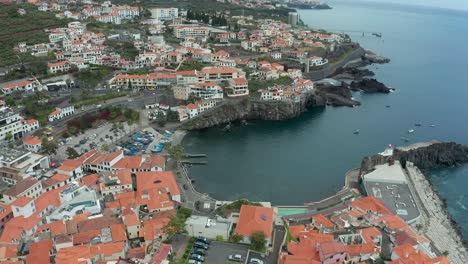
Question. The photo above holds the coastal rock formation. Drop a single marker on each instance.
(352, 74)
(337, 95)
(371, 58)
(426, 157)
(369, 86)
(247, 109)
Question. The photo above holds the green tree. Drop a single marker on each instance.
(236, 238)
(9, 101)
(175, 226)
(105, 147)
(184, 213)
(176, 152)
(49, 147)
(257, 240)
(8, 136)
(72, 153)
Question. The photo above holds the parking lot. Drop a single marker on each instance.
(94, 139)
(218, 252)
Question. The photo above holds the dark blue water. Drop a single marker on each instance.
(305, 159)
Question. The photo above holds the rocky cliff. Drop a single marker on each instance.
(427, 157)
(247, 109)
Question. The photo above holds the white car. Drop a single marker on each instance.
(255, 261)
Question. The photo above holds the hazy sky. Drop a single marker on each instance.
(451, 4)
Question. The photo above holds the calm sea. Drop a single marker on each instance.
(305, 159)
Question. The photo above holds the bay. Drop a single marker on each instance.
(305, 159)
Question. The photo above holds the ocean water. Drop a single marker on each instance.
(305, 159)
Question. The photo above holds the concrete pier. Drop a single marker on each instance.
(437, 226)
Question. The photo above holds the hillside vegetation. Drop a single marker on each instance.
(27, 28)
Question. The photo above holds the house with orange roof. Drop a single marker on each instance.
(322, 223)
(25, 85)
(40, 252)
(60, 66)
(370, 204)
(162, 181)
(8, 251)
(406, 254)
(131, 221)
(30, 125)
(253, 219)
(5, 214)
(32, 143)
(154, 200)
(29, 187)
(162, 254)
(332, 252)
(57, 180)
(292, 259)
(118, 233)
(207, 90)
(23, 206)
(140, 163)
(71, 168)
(53, 229)
(102, 161)
(92, 181)
(238, 87)
(62, 110)
(154, 229)
(117, 182)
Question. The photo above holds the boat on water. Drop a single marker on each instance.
(388, 106)
(405, 139)
(411, 131)
(418, 124)
(356, 131)
(432, 125)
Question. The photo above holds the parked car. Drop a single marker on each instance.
(236, 258)
(200, 245)
(255, 261)
(197, 257)
(199, 251)
(203, 239)
(192, 261)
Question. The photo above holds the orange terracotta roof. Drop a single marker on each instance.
(393, 222)
(56, 112)
(72, 255)
(219, 70)
(154, 227)
(151, 162)
(112, 156)
(85, 237)
(60, 177)
(70, 165)
(118, 232)
(240, 81)
(290, 259)
(129, 162)
(131, 219)
(331, 248)
(21, 201)
(90, 180)
(56, 228)
(160, 180)
(8, 251)
(39, 252)
(32, 140)
(17, 84)
(320, 220)
(255, 218)
(5, 212)
(370, 203)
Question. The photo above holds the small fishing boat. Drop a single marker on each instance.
(432, 125)
(356, 131)
(405, 139)
(387, 106)
(418, 124)
(411, 131)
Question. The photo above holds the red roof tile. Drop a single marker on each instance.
(253, 219)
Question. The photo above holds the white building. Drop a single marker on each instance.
(191, 32)
(317, 61)
(164, 13)
(32, 143)
(10, 125)
(62, 110)
(61, 66)
(207, 90)
(238, 87)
